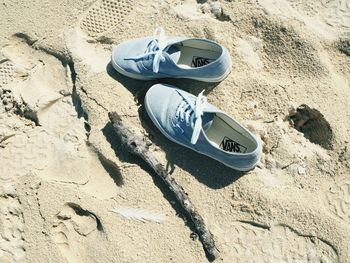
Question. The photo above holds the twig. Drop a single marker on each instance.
(136, 145)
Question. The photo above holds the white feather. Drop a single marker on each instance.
(139, 214)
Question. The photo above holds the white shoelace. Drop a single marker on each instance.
(192, 114)
(156, 47)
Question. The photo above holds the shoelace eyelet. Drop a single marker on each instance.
(195, 108)
(157, 46)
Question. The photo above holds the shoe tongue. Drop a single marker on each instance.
(174, 53)
(207, 120)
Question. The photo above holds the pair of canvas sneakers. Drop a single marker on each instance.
(183, 118)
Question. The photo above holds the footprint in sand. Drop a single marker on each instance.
(7, 70)
(103, 15)
(254, 243)
(40, 152)
(313, 125)
(338, 200)
(55, 139)
(11, 225)
(60, 238)
(73, 223)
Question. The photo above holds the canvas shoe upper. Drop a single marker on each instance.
(194, 123)
(171, 57)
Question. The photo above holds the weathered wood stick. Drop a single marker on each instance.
(136, 145)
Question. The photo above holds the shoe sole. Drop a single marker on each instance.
(140, 77)
(154, 120)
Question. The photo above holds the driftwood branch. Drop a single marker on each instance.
(136, 145)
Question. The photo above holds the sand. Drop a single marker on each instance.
(62, 170)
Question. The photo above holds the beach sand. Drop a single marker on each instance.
(62, 169)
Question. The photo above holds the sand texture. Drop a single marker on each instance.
(70, 193)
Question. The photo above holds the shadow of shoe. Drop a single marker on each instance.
(206, 170)
(139, 87)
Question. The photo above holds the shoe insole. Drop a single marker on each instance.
(174, 53)
(227, 138)
(191, 57)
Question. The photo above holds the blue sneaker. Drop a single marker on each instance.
(200, 126)
(172, 57)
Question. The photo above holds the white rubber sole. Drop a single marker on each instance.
(141, 77)
(154, 120)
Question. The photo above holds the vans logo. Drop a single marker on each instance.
(230, 145)
(199, 61)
